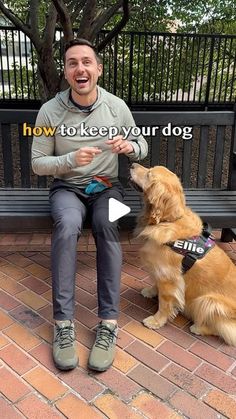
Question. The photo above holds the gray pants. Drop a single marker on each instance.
(69, 207)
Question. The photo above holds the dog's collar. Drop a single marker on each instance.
(194, 248)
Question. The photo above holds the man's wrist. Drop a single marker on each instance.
(132, 148)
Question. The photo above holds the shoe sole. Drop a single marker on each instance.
(67, 368)
(99, 369)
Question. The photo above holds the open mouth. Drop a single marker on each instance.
(81, 81)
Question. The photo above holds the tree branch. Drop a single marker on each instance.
(33, 18)
(15, 20)
(105, 17)
(117, 28)
(49, 30)
(64, 18)
(88, 18)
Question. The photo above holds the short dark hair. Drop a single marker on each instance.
(82, 41)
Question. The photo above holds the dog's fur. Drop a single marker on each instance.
(206, 293)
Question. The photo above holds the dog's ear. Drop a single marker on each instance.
(150, 215)
(166, 200)
(144, 215)
(155, 215)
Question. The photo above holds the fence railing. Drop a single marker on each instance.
(142, 68)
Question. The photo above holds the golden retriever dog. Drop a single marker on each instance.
(206, 293)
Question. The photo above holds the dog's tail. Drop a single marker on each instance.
(219, 313)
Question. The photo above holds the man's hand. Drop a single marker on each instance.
(119, 145)
(85, 155)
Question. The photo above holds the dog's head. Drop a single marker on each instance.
(163, 193)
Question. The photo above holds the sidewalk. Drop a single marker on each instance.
(162, 374)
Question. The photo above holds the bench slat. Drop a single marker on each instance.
(202, 162)
(28, 209)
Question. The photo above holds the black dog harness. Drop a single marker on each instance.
(194, 248)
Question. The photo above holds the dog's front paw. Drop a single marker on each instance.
(152, 322)
(202, 330)
(194, 329)
(149, 292)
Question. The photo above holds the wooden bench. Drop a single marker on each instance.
(210, 191)
(24, 209)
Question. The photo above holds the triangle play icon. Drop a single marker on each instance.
(116, 209)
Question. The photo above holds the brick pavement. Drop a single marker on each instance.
(168, 373)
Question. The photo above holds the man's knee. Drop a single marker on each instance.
(100, 222)
(69, 222)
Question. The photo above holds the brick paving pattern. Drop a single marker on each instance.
(169, 373)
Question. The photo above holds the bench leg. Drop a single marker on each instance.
(228, 234)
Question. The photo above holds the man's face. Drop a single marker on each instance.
(82, 70)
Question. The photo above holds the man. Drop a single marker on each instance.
(74, 156)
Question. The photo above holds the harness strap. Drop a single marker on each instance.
(187, 262)
(206, 230)
(191, 253)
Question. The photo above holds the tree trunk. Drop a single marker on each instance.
(48, 73)
(91, 22)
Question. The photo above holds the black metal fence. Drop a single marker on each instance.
(145, 69)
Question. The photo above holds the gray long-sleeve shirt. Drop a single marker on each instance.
(55, 154)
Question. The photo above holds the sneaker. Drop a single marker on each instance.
(64, 349)
(103, 351)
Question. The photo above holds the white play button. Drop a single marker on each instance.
(116, 210)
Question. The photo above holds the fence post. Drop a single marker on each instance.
(130, 68)
(115, 66)
(232, 162)
(206, 103)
